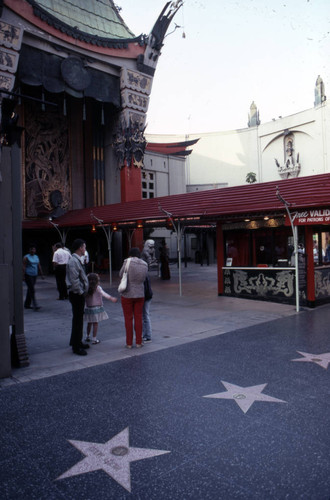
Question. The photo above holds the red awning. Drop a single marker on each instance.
(211, 205)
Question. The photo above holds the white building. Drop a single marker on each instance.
(290, 146)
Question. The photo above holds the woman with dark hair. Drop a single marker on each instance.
(31, 268)
(132, 298)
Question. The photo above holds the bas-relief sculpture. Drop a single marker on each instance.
(129, 144)
(47, 171)
(291, 167)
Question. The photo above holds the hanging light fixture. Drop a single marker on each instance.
(93, 228)
(139, 224)
(114, 226)
(169, 223)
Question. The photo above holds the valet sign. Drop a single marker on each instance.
(315, 216)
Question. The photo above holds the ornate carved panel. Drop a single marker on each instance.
(47, 166)
(322, 283)
(271, 284)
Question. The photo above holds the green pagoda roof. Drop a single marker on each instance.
(93, 21)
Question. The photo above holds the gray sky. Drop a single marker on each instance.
(233, 53)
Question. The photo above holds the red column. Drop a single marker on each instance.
(310, 265)
(220, 257)
(131, 190)
(130, 183)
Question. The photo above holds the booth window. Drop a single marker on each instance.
(260, 247)
(237, 249)
(321, 248)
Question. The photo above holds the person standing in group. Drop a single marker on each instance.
(31, 268)
(164, 262)
(77, 283)
(85, 261)
(94, 309)
(132, 298)
(60, 260)
(148, 255)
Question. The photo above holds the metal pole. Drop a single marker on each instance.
(178, 237)
(295, 244)
(109, 238)
(108, 235)
(178, 234)
(62, 236)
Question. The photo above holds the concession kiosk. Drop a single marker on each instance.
(279, 250)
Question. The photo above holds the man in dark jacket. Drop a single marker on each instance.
(77, 283)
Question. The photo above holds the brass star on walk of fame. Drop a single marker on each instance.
(244, 396)
(320, 359)
(113, 457)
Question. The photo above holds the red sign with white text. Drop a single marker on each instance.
(312, 216)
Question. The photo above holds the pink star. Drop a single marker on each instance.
(114, 457)
(244, 396)
(320, 359)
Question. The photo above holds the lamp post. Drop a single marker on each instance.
(108, 234)
(62, 235)
(178, 230)
(295, 243)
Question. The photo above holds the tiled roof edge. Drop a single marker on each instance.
(75, 33)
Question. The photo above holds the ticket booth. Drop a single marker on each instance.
(256, 257)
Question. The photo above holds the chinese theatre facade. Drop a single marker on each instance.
(79, 82)
(75, 85)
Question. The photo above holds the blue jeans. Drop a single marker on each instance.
(30, 293)
(146, 320)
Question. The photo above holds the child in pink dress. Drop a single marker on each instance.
(94, 310)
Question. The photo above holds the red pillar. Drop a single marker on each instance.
(310, 265)
(220, 257)
(131, 190)
(130, 183)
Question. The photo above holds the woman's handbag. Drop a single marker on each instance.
(123, 282)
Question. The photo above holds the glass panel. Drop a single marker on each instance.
(237, 249)
(326, 247)
(316, 248)
(263, 241)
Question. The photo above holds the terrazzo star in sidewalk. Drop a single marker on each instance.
(320, 359)
(114, 457)
(244, 396)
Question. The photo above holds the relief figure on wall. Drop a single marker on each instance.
(47, 169)
(291, 167)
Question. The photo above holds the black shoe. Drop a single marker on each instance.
(147, 340)
(80, 352)
(37, 308)
(84, 346)
(28, 307)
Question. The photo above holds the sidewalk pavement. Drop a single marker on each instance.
(230, 401)
(199, 313)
